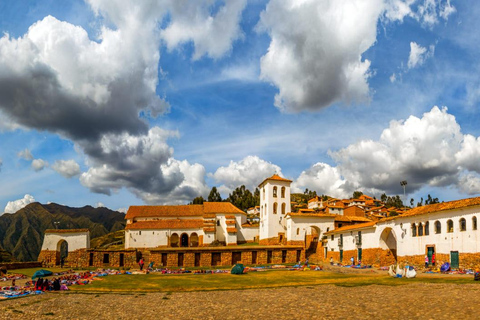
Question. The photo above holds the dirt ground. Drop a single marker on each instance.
(413, 301)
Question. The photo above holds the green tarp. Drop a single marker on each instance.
(41, 273)
(237, 269)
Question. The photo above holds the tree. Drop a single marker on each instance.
(198, 200)
(431, 200)
(357, 194)
(242, 198)
(383, 198)
(412, 202)
(214, 195)
(419, 204)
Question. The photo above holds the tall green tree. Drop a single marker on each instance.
(198, 200)
(214, 195)
(357, 194)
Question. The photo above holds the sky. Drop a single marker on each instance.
(119, 103)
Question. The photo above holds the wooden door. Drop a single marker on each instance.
(454, 259)
(197, 259)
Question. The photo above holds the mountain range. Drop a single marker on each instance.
(21, 233)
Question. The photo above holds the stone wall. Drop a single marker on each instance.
(21, 265)
(466, 260)
(83, 258)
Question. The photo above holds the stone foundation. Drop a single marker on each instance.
(466, 260)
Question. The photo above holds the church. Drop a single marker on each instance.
(218, 234)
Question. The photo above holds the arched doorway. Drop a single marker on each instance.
(62, 252)
(194, 240)
(388, 241)
(174, 240)
(311, 241)
(184, 240)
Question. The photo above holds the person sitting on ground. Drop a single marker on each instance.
(331, 261)
(150, 266)
(426, 262)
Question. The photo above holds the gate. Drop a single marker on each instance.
(454, 259)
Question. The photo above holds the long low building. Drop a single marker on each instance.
(449, 230)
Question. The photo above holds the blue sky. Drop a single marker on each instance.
(123, 103)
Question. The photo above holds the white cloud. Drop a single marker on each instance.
(469, 183)
(39, 164)
(25, 154)
(122, 210)
(314, 57)
(211, 35)
(446, 10)
(249, 172)
(14, 206)
(145, 166)
(67, 168)
(322, 178)
(419, 54)
(419, 150)
(393, 78)
(99, 205)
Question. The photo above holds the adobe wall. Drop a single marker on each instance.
(21, 265)
(75, 240)
(466, 260)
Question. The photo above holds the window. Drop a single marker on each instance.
(275, 205)
(283, 208)
(139, 233)
(106, 258)
(420, 229)
(218, 223)
(463, 224)
(438, 227)
(332, 237)
(298, 231)
(274, 192)
(263, 193)
(174, 239)
(283, 192)
(265, 212)
(414, 230)
(449, 226)
(427, 228)
(474, 223)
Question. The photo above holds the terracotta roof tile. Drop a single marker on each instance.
(437, 207)
(164, 211)
(208, 229)
(166, 224)
(352, 227)
(351, 219)
(220, 207)
(250, 225)
(316, 215)
(230, 217)
(275, 177)
(207, 210)
(232, 230)
(230, 222)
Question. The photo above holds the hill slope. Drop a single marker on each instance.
(21, 233)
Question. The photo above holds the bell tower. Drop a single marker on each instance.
(274, 205)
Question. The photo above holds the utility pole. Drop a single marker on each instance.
(403, 184)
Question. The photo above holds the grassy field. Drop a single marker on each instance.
(253, 280)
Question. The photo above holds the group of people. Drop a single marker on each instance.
(427, 261)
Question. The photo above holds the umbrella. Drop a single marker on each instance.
(237, 269)
(42, 273)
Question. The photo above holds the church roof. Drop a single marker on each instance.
(351, 219)
(437, 207)
(207, 209)
(166, 224)
(275, 177)
(352, 227)
(314, 215)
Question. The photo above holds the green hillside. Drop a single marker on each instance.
(21, 233)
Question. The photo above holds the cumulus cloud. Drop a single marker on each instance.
(122, 210)
(39, 164)
(56, 78)
(430, 150)
(315, 53)
(419, 150)
(14, 206)
(322, 178)
(211, 35)
(419, 54)
(99, 205)
(143, 164)
(25, 154)
(249, 172)
(314, 57)
(67, 168)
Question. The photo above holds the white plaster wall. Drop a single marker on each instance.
(221, 230)
(77, 240)
(304, 225)
(208, 238)
(462, 241)
(247, 234)
(271, 224)
(154, 238)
